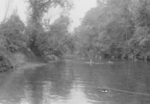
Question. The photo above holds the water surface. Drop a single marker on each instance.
(78, 82)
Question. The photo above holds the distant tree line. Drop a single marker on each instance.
(116, 29)
(113, 29)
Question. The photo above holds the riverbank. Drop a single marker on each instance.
(18, 61)
(29, 65)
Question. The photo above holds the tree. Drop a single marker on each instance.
(13, 32)
(117, 28)
(54, 41)
(8, 5)
(37, 8)
(111, 25)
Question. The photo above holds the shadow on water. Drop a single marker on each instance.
(78, 82)
(49, 82)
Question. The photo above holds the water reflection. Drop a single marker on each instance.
(76, 82)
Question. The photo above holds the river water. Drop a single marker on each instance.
(78, 82)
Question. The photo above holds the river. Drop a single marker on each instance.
(78, 82)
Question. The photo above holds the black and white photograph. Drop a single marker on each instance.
(74, 51)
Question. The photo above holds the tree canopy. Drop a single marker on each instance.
(116, 28)
(37, 9)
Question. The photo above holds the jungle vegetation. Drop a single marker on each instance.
(116, 29)
(113, 29)
(38, 39)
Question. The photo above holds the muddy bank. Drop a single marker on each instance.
(16, 61)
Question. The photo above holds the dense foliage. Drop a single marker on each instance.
(114, 29)
(35, 40)
(36, 32)
(117, 29)
(12, 38)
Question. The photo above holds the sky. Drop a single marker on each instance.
(78, 12)
(81, 7)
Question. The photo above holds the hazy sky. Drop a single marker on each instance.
(81, 7)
